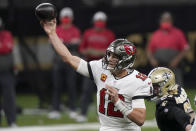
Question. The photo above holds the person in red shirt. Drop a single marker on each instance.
(66, 30)
(168, 46)
(93, 46)
(63, 74)
(96, 39)
(7, 86)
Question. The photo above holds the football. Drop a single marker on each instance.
(45, 11)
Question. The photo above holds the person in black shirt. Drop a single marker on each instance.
(173, 108)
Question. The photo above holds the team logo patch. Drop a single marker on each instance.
(103, 77)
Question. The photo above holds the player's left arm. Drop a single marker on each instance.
(186, 104)
(194, 125)
(192, 115)
(136, 114)
(177, 114)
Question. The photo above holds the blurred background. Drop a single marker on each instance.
(33, 54)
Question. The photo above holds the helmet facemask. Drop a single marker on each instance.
(159, 89)
(110, 65)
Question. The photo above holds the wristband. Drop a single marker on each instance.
(124, 109)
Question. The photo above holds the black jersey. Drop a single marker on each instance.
(172, 111)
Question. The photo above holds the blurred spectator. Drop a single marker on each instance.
(168, 46)
(93, 46)
(7, 81)
(63, 75)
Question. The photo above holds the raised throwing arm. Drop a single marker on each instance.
(61, 49)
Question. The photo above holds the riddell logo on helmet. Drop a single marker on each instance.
(103, 77)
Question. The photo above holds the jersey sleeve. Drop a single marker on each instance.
(138, 103)
(83, 68)
(143, 91)
(94, 68)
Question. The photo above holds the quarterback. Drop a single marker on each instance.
(173, 108)
(120, 88)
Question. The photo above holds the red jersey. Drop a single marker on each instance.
(66, 35)
(173, 39)
(6, 42)
(99, 40)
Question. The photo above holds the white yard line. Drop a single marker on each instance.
(68, 127)
(64, 127)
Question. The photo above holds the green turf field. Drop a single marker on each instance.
(31, 101)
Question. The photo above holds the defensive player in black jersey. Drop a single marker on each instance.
(194, 124)
(173, 108)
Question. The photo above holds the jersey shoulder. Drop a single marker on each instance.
(177, 96)
(144, 88)
(141, 78)
(96, 64)
(95, 68)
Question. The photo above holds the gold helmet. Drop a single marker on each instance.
(163, 79)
